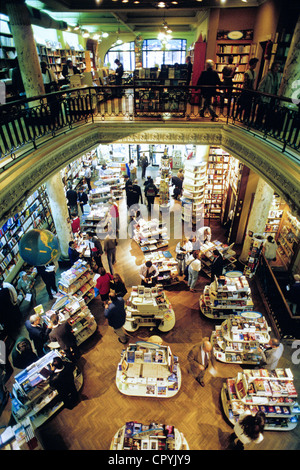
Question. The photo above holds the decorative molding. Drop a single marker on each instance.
(19, 181)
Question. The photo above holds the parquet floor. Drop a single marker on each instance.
(195, 411)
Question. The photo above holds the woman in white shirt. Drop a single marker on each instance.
(248, 429)
(194, 268)
(270, 248)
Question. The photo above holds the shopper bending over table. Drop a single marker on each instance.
(148, 273)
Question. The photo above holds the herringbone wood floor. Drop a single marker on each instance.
(195, 411)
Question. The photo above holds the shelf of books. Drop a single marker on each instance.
(167, 267)
(20, 436)
(226, 295)
(151, 235)
(240, 51)
(255, 250)
(154, 436)
(148, 370)
(56, 57)
(35, 214)
(215, 189)
(32, 396)
(164, 183)
(238, 338)
(229, 259)
(275, 216)
(193, 191)
(78, 282)
(288, 238)
(149, 307)
(96, 220)
(273, 393)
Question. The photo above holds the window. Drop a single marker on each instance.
(124, 52)
(154, 53)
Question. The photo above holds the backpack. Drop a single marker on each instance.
(150, 191)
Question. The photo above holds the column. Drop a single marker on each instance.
(290, 83)
(258, 215)
(28, 59)
(60, 213)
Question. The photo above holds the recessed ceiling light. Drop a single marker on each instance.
(161, 5)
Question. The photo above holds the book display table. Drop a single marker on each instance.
(237, 338)
(78, 281)
(99, 194)
(21, 436)
(167, 267)
(153, 436)
(225, 296)
(207, 257)
(151, 235)
(32, 396)
(148, 370)
(96, 220)
(150, 307)
(273, 393)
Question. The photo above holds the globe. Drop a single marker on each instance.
(39, 247)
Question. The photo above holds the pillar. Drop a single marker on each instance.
(290, 83)
(258, 215)
(60, 213)
(28, 59)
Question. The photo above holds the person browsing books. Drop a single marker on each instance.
(148, 274)
(116, 316)
(199, 359)
(271, 355)
(248, 429)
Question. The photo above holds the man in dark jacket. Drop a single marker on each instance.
(47, 274)
(82, 198)
(208, 81)
(38, 333)
(217, 265)
(116, 316)
(61, 379)
(69, 69)
(72, 198)
(150, 193)
(62, 334)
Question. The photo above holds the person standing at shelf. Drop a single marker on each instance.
(228, 73)
(69, 69)
(151, 192)
(62, 334)
(119, 75)
(189, 66)
(116, 316)
(75, 223)
(47, 274)
(96, 249)
(74, 255)
(208, 81)
(246, 96)
(248, 429)
(72, 199)
(38, 333)
(83, 199)
(87, 176)
(26, 286)
(271, 354)
(148, 274)
(270, 248)
(103, 284)
(49, 79)
(22, 354)
(203, 235)
(199, 357)
(193, 271)
(110, 248)
(181, 253)
(217, 265)
(61, 379)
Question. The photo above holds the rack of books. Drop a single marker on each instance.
(217, 170)
(78, 282)
(272, 392)
(96, 220)
(154, 436)
(99, 194)
(226, 295)
(32, 396)
(288, 239)
(255, 250)
(167, 267)
(148, 370)
(150, 235)
(193, 191)
(275, 216)
(229, 259)
(115, 181)
(238, 338)
(20, 436)
(240, 51)
(164, 184)
(149, 307)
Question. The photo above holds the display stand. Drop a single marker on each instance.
(150, 235)
(148, 370)
(99, 194)
(153, 436)
(167, 267)
(78, 282)
(225, 296)
(207, 257)
(164, 185)
(255, 250)
(149, 306)
(238, 338)
(21, 436)
(193, 191)
(32, 396)
(273, 393)
(96, 220)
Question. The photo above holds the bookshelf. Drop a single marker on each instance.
(95, 221)
(288, 239)
(32, 396)
(275, 216)
(273, 393)
(20, 436)
(78, 282)
(256, 246)
(215, 189)
(229, 259)
(193, 189)
(164, 183)
(148, 370)
(35, 214)
(154, 436)
(56, 58)
(225, 296)
(149, 307)
(240, 50)
(236, 340)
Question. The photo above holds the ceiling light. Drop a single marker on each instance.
(86, 34)
(76, 27)
(105, 35)
(161, 5)
(96, 36)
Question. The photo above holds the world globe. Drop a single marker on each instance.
(39, 247)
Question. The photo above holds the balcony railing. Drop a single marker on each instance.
(28, 120)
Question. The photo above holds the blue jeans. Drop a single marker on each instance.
(193, 277)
